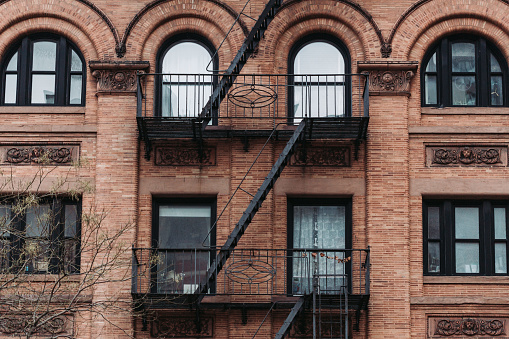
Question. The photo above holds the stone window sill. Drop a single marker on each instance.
(42, 109)
(465, 111)
(461, 280)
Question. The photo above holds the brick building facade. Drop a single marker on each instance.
(393, 204)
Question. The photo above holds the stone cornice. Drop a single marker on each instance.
(117, 76)
(389, 77)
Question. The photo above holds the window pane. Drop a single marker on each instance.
(186, 58)
(11, 83)
(36, 255)
(500, 258)
(466, 222)
(75, 92)
(432, 64)
(184, 226)
(433, 257)
(434, 222)
(467, 257)
(5, 247)
(500, 223)
(319, 58)
(76, 65)
(43, 89)
(44, 56)
(38, 221)
(463, 91)
(431, 89)
(319, 101)
(494, 65)
(5, 220)
(496, 91)
(13, 63)
(184, 101)
(463, 57)
(71, 216)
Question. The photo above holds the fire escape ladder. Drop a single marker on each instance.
(287, 324)
(248, 47)
(249, 213)
(330, 310)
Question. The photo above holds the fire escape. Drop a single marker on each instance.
(251, 106)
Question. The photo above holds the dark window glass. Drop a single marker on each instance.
(465, 238)
(319, 226)
(43, 70)
(183, 244)
(319, 85)
(463, 71)
(40, 239)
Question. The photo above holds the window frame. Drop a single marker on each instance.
(294, 51)
(308, 201)
(170, 43)
(200, 201)
(444, 73)
(448, 240)
(63, 71)
(56, 237)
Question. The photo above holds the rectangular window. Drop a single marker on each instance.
(319, 238)
(465, 237)
(40, 238)
(182, 238)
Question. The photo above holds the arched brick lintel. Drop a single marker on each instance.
(422, 16)
(94, 23)
(160, 12)
(190, 24)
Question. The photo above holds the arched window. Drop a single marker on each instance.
(43, 70)
(185, 84)
(464, 71)
(320, 87)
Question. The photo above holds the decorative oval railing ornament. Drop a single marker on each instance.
(250, 272)
(252, 96)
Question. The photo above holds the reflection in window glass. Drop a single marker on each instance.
(463, 91)
(76, 65)
(13, 63)
(494, 65)
(185, 96)
(43, 89)
(463, 57)
(44, 56)
(431, 89)
(76, 90)
(467, 222)
(500, 223)
(432, 64)
(467, 258)
(11, 83)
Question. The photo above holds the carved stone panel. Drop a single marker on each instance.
(470, 156)
(185, 156)
(389, 78)
(17, 325)
(182, 327)
(321, 156)
(117, 77)
(38, 154)
(467, 327)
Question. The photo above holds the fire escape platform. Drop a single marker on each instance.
(154, 301)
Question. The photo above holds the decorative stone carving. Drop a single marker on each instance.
(460, 327)
(35, 154)
(185, 156)
(178, 327)
(117, 77)
(386, 50)
(321, 156)
(389, 78)
(12, 325)
(115, 81)
(466, 156)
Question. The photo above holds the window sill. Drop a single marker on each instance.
(40, 278)
(461, 280)
(465, 111)
(42, 109)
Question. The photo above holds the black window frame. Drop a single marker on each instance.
(309, 201)
(447, 238)
(56, 238)
(483, 74)
(170, 43)
(294, 51)
(199, 201)
(63, 72)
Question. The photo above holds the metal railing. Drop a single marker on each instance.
(269, 96)
(251, 271)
